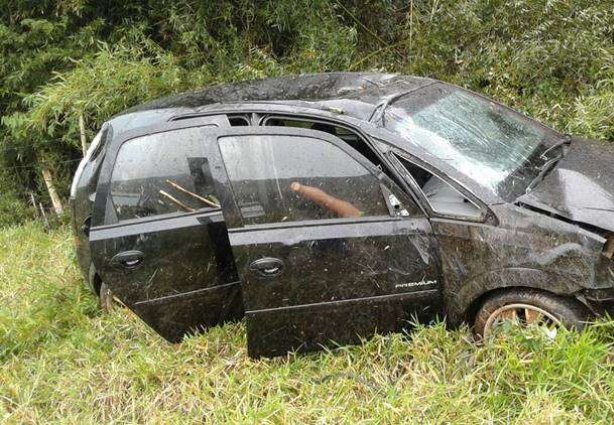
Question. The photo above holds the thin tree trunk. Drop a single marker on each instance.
(82, 133)
(34, 204)
(53, 194)
(45, 221)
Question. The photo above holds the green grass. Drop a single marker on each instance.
(61, 360)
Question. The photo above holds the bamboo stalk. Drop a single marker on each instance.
(45, 220)
(53, 194)
(176, 201)
(194, 195)
(82, 133)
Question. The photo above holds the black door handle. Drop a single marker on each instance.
(128, 260)
(267, 267)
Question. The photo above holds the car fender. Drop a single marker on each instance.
(462, 303)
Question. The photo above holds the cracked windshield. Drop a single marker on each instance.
(479, 138)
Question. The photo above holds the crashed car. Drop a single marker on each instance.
(325, 208)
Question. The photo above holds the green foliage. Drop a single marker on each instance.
(593, 114)
(13, 211)
(61, 360)
(552, 59)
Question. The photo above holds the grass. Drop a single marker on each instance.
(61, 360)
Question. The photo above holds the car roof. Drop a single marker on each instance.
(353, 92)
(368, 87)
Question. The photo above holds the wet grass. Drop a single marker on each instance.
(61, 360)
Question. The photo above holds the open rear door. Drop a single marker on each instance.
(328, 249)
(159, 239)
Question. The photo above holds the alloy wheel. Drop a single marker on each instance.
(524, 315)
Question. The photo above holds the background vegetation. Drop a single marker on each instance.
(61, 59)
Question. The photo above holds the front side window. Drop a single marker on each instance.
(491, 144)
(160, 174)
(279, 178)
(443, 198)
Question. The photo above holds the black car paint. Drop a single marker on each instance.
(540, 247)
(580, 188)
(187, 279)
(330, 268)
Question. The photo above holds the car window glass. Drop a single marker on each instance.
(350, 137)
(482, 140)
(443, 198)
(160, 174)
(293, 178)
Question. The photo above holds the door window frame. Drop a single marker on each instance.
(359, 133)
(390, 165)
(101, 214)
(487, 216)
(225, 193)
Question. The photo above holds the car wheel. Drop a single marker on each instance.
(529, 308)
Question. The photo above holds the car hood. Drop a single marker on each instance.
(581, 187)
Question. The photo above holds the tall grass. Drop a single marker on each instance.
(61, 360)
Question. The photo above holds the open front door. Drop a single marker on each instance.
(328, 249)
(158, 239)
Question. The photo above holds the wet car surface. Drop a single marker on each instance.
(325, 208)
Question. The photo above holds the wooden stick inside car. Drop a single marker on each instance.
(194, 195)
(176, 201)
(318, 196)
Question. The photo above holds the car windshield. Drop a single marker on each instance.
(487, 142)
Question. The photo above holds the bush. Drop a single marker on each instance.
(13, 211)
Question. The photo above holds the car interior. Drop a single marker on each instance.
(443, 198)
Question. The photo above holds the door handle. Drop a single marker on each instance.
(128, 260)
(267, 267)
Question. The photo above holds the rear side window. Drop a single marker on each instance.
(279, 178)
(161, 174)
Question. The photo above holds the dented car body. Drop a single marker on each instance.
(325, 208)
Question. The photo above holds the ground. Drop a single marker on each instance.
(62, 360)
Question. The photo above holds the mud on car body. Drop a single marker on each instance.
(328, 207)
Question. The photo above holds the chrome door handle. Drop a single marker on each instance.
(128, 260)
(267, 267)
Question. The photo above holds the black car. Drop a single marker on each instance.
(329, 207)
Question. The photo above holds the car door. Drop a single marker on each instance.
(158, 239)
(328, 249)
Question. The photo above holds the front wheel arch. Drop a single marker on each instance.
(462, 297)
(474, 309)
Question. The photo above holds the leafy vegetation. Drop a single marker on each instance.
(61, 360)
(63, 59)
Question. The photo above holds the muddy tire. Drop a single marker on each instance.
(106, 298)
(529, 307)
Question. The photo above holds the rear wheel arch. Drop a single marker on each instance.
(97, 283)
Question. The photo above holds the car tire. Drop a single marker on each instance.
(525, 306)
(106, 298)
